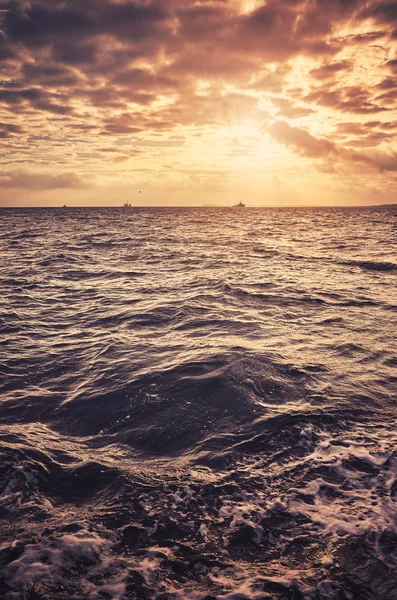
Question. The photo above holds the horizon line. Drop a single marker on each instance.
(204, 206)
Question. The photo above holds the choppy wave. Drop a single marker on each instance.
(194, 407)
(374, 265)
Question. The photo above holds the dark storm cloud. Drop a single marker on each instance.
(6, 51)
(53, 74)
(9, 129)
(392, 64)
(278, 30)
(54, 43)
(87, 48)
(36, 98)
(383, 12)
(42, 22)
(81, 33)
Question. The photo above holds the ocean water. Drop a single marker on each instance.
(198, 404)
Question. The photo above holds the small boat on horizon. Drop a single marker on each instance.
(239, 205)
(127, 205)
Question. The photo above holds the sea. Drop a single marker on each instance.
(198, 403)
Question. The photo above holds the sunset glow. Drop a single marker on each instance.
(281, 102)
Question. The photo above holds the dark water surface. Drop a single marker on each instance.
(198, 403)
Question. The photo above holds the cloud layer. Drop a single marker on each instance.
(119, 94)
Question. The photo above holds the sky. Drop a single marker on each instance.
(184, 102)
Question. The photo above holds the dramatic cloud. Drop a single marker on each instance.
(143, 93)
(301, 140)
(9, 129)
(328, 70)
(308, 145)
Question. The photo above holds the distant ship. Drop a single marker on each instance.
(239, 205)
(127, 205)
